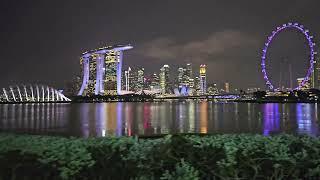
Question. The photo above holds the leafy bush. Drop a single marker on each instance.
(171, 157)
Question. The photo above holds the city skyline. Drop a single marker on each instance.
(49, 45)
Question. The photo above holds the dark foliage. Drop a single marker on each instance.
(170, 157)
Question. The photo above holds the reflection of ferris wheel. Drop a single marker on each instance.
(311, 44)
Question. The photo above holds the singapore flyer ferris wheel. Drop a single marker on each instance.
(312, 53)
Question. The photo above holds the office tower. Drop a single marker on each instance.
(155, 83)
(189, 71)
(180, 77)
(140, 80)
(133, 80)
(164, 80)
(203, 80)
(227, 87)
(196, 85)
(147, 82)
(127, 79)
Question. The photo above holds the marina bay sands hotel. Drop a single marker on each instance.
(101, 70)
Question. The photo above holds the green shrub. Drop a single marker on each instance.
(171, 157)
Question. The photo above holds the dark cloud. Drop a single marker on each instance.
(215, 45)
(41, 41)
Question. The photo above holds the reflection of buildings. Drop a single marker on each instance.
(305, 120)
(191, 116)
(204, 117)
(107, 119)
(147, 119)
(102, 70)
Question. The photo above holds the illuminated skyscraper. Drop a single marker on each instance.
(102, 70)
(189, 71)
(316, 74)
(110, 79)
(196, 86)
(133, 79)
(185, 78)
(147, 82)
(127, 79)
(164, 80)
(227, 87)
(203, 80)
(140, 80)
(155, 84)
(180, 77)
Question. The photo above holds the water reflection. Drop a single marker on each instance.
(305, 122)
(271, 118)
(128, 119)
(34, 118)
(204, 117)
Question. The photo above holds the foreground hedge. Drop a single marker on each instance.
(171, 157)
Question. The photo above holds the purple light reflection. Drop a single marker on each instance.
(305, 123)
(271, 118)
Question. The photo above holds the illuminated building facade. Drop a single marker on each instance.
(196, 85)
(213, 89)
(155, 83)
(185, 78)
(164, 80)
(140, 80)
(316, 74)
(102, 69)
(189, 71)
(203, 79)
(180, 79)
(227, 87)
(133, 79)
(127, 79)
(307, 85)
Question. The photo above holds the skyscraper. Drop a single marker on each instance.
(196, 86)
(180, 77)
(189, 70)
(227, 87)
(127, 79)
(140, 81)
(155, 84)
(203, 80)
(110, 80)
(164, 79)
(133, 80)
(189, 75)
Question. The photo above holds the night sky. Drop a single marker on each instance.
(41, 41)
